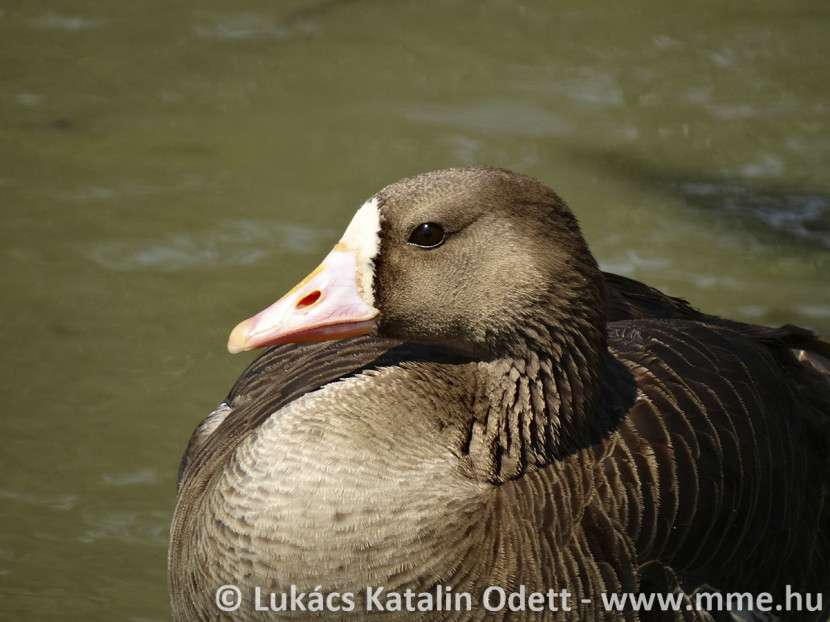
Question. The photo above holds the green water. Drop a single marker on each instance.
(168, 168)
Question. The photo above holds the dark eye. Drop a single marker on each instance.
(427, 235)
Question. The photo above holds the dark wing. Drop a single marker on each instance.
(739, 430)
(627, 299)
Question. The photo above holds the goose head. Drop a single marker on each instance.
(479, 260)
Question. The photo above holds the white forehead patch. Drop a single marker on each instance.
(362, 237)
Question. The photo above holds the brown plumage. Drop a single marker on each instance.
(516, 418)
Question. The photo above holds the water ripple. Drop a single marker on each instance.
(508, 116)
(142, 476)
(53, 21)
(248, 26)
(232, 243)
(805, 216)
(149, 527)
(58, 502)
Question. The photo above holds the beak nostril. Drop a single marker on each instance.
(310, 299)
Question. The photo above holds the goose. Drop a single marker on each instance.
(460, 417)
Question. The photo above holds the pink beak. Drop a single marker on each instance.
(327, 304)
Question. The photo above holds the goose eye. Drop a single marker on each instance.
(427, 235)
